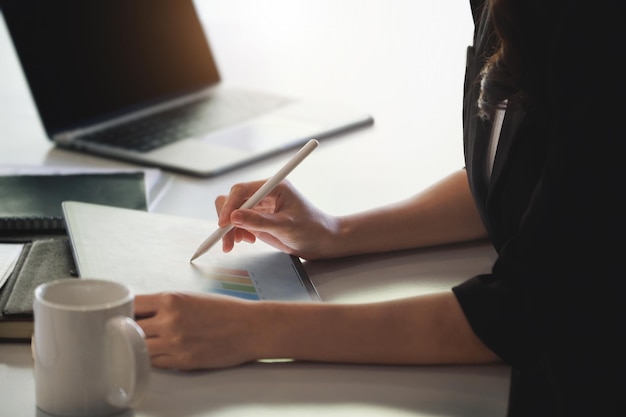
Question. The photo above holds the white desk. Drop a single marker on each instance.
(403, 61)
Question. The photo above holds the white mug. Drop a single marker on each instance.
(90, 356)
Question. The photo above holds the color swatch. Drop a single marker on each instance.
(234, 282)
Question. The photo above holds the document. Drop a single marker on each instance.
(150, 252)
(9, 254)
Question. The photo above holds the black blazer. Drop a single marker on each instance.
(554, 306)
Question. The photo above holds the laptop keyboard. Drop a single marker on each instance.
(215, 112)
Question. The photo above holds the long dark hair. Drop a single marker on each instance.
(522, 28)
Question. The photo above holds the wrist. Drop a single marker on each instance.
(268, 330)
(305, 331)
(347, 236)
(286, 330)
(338, 241)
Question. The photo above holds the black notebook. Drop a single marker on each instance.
(32, 203)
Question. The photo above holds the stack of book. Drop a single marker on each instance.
(32, 232)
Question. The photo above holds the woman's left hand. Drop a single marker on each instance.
(194, 331)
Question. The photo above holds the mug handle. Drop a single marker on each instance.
(128, 362)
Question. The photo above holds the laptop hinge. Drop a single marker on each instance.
(66, 138)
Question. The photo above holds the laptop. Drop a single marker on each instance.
(136, 80)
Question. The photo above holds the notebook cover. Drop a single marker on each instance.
(41, 261)
(48, 260)
(32, 203)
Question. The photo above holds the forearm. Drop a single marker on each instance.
(426, 330)
(444, 213)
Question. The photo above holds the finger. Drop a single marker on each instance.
(149, 326)
(228, 241)
(161, 361)
(222, 218)
(260, 222)
(146, 304)
(242, 235)
(161, 355)
(157, 348)
(239, 193)
(167, 361)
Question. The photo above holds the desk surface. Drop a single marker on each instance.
(403, 62)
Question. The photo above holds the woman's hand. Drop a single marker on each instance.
(284, 219)
(441, 214)
(197, 331)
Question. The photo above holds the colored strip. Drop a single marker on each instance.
(244, 295)
(232, 271)
(238, 287)
(233, 279)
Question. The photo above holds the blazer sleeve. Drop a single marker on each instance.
(558, 287)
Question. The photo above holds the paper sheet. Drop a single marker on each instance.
(150, 252)
(9, 254)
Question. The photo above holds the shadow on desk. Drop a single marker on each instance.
(127, 413)
(379, 277)
(344, 390)
(311, 389)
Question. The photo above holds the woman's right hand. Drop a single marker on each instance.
(284, 219)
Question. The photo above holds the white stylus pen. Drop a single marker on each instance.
(259, 195)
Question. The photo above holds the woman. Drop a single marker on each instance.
(544, 87)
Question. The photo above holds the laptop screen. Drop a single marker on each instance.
(89, 60)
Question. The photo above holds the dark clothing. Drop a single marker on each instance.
(554, 305)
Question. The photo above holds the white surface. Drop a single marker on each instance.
(402, 61)
(293, 389)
